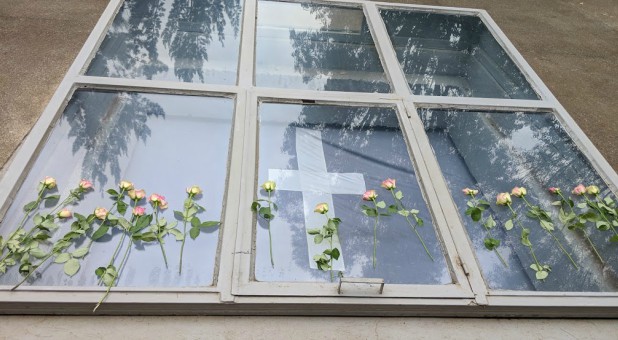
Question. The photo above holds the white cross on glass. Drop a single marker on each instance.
(317, 185)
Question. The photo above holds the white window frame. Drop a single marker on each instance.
(233, 291)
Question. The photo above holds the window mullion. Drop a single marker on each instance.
(246, 63)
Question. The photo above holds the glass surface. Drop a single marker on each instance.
(314, 47)
(453, 55)
(332, 154)
(163, 143)
(194, 41)
(495, 152)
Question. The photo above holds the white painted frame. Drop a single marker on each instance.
(233, 291)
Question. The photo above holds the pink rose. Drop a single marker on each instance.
(389, 184)
(85, 184)
(470, 192)
(100, 213)
(592, 190)
(49, 182)
(158, 201)
(65, 213)
(503, 199)
(194, 190)
(321, 208)
(125, 185)
(370, 195)
(519, 192)
(554, 190)
(139, 211)
(136, 195)
(579, 190)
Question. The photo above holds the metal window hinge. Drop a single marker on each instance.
(463, 266)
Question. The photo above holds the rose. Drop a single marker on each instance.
(321, 208)
(370, 195)
(194, 190)
(269, 186)
(389, 184)
(503, 199)
(125, 185)
(65, 213)
(136, 195)
(85, 184)
(555, 191)
(158, 201)
(470, 192)
(519, 192)
(49, 182)
(579, 190)
(100, 213)
(139, 211)
(592, 190)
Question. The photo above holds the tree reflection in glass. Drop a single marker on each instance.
(179, 40)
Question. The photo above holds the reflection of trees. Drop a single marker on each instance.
(350, 49)
(131, 48)
(189, 30)
(103, 124)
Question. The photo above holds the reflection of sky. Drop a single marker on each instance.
(495, 152)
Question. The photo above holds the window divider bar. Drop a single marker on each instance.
(476, 103)
(246, 59)
(166, 87)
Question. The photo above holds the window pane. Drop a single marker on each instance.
(495, 152)
(453, 55)
(195, 41)
(163, 143)
(331, 154)
(316, 47)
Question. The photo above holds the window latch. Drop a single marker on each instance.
(360, 285)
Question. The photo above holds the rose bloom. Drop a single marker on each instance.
(194, 190)
(100, 213)
(65, 213)
(126, 185)
(158, 201)
(321, 208)
(370, 195)
(85, 184)
(136, 195)
(49, 182)
(503, 199)
(554, 190)
(592, 190)
(389, 184)
(269, 186)
(519, 192)
(470, 192)
(579, 190)
(139, 211)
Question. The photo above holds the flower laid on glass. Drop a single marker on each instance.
(328, 231)
(370, 196)
(266, 212)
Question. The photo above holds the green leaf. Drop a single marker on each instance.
(392, 209)
(124, 223)
(546, 225)
(536, 267)
(614, 238)
(100, 232)
(318, 239)
(541, 275)
(99, 271)
(52, 197)
(209, 224)
(179, 236)
(179, 215)
(194, 233)
(30, 206)
(195, 222)
(112, 192)
(602, 225)
(476, 214)
(370, 212)
(108, 279)
(556, 203)
(525, 233)
(38, 253)
(71, 267)
(398, 195)
(37, 219)
(162, 222)
(582, 205)
(414, 211)
(192, 211)
(491, 243)
(403, 212)
(313, 231)
(381, 205)
(255, 206)
(80, 252)
(490, 222)
(508, 225)
(335, 253)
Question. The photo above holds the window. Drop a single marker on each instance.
(327, 99)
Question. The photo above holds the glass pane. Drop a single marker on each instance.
(495, 152)
(314, 47)
(332, 154)
(453, 55)
(163, 143)
(194, 41)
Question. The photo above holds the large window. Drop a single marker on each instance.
(327, 99)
